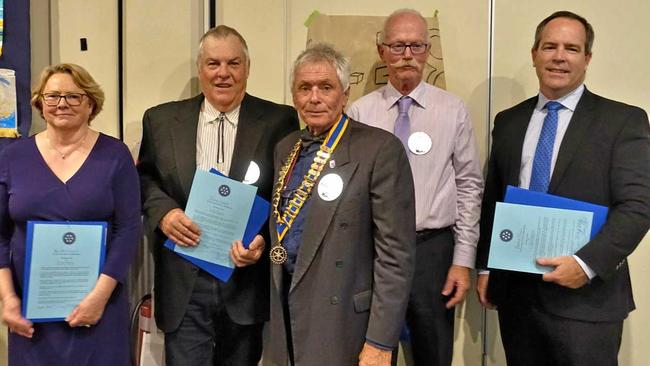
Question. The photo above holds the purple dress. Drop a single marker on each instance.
(105, 188)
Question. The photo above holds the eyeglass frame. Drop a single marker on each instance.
(64, 96)
(405, 45)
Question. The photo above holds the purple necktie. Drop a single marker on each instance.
(541, 173)
(402, 123)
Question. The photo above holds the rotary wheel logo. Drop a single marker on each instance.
(224, 190)
(506, 235)
(69, 238)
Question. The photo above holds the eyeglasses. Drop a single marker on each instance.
(399, 48)
(53, 99)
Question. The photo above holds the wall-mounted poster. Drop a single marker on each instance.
(8, 105)
(356, 37)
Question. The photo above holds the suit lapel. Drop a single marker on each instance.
(183, 136)
(321, 212)
(247, 139)
(517, 136)
(576, 131)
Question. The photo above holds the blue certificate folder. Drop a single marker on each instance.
(563, 234)
(258, 214)
(63, 260)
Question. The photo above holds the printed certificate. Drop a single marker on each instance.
(522, 233)
(62, 263)
(221, 207)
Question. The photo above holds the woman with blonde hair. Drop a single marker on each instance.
(69, 172)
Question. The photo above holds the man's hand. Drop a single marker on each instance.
(481, 290)
(373, 356)
(567, 272)
(14, 320)
(180, 228)
(243, 257)
(458, 278)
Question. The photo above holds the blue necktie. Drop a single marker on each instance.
(402, 123)
(541, 174)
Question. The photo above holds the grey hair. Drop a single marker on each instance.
(221, 32)
(398, 12)
(323, 52)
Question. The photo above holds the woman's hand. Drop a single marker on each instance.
(14, 320)
(91, 308)
(88, 312)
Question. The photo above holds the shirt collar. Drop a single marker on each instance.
(569, 101)
(211, 113)
(392, 95)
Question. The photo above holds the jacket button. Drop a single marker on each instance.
(343, 225)
(334, 300)
(339, 263)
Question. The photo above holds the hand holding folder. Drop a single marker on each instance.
(529, 225)
(256, 219)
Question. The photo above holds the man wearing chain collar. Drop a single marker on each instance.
(342, 230)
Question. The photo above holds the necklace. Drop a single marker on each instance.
(285, 219)
(75, 146)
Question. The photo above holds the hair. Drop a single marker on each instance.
(322, 52)
(221, 32)
(589, 30)
(80, 77)
(396, 13)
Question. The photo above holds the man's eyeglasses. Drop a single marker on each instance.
(53, 99)
(399, 48)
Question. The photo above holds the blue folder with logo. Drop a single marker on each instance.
(532, 198)
(257, 218)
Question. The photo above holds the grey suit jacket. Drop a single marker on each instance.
(604, 158)
(166, 165)
(354, 268)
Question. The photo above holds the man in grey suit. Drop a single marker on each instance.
(207, 321)
(569, 142)
(342, 229)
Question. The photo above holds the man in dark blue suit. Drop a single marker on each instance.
(599, 152)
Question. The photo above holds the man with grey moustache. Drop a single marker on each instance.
(436, 131)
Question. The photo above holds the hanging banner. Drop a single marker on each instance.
(15, 80)
(8, 105)
(2, 22)
(356, 37)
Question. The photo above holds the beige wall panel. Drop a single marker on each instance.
(617, 71)
(262, 24)
(160, 44)
(97, 22)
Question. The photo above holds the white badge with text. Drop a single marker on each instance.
(419, 143)
(252, 174)
(330, 187)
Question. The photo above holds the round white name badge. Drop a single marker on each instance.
(252, 174)
(419, 143)
(330, 187)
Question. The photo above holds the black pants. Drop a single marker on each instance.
(431, 324)
(207, 336)
(532, 337)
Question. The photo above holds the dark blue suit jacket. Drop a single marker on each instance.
(604, 158)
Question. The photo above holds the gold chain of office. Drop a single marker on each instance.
(278, 253)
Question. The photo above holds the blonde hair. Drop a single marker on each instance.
(80, 77)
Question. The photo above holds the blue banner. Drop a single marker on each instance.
(16, 56)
